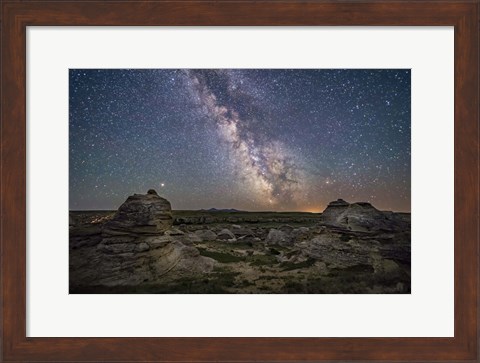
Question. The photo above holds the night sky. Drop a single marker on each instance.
(251, 139)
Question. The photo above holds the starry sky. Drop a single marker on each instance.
(250, 139)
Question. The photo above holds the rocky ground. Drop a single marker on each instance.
(144, 247)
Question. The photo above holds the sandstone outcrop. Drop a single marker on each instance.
(138, 246)
(278, 237)
(361, 216)
(239, 231)
(226, 234)
(206, 235)
(350, 248)
(141, 214)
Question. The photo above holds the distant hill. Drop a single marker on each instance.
(220, 210)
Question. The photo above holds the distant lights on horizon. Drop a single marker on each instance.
(313, 210)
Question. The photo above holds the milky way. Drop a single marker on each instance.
(245, 139)
(264, 164)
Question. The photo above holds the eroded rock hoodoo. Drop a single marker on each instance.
(141, 215)
(136, 246)
(361, 216)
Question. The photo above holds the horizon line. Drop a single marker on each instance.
(229, 210)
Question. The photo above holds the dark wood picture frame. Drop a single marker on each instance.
(463, 15)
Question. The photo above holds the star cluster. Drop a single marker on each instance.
(250, 139)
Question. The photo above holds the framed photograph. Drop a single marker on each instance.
(240, 181)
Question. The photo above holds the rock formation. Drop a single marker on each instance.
(334, 209)
(361, 216)
(349, 248)
(278, 237)
(141, 214)
(139, 246)
(206, 235)
(226, 234)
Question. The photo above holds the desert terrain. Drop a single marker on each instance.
(145, 247)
